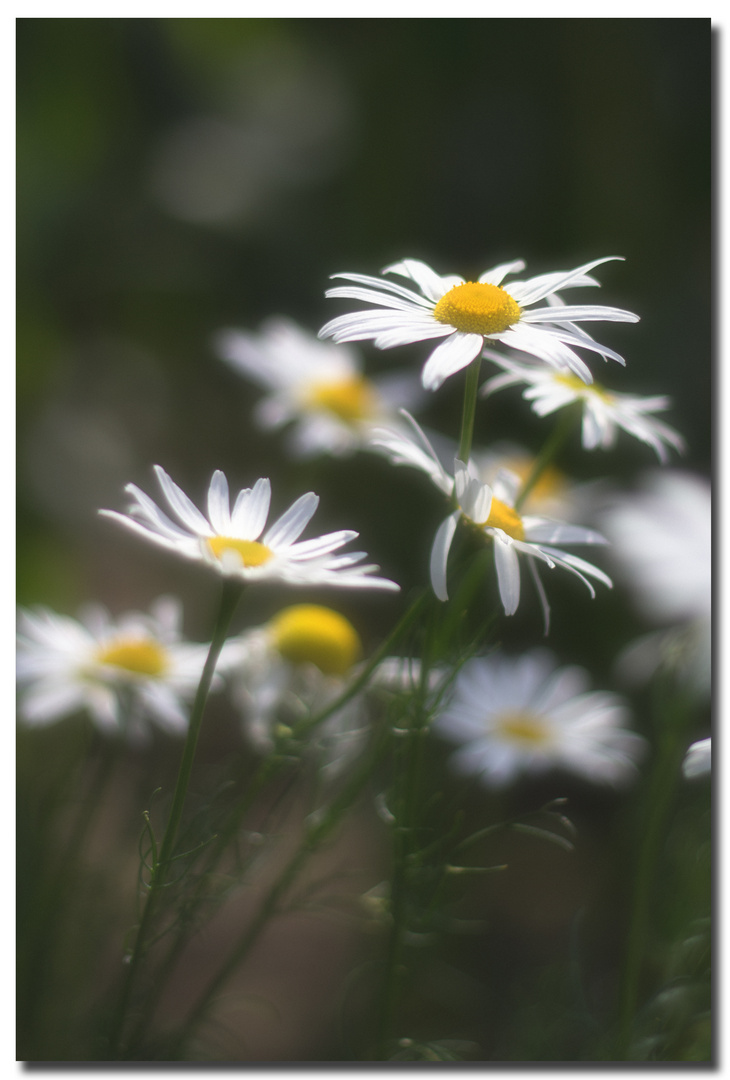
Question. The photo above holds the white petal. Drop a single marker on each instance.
(549, 283)
(219, 509)
(429, 282)
(292, 523)
(186, 510)
(440, 554)
(251, 510)
(507, 563)
(450, 356)
(582, 313)
(496, 275)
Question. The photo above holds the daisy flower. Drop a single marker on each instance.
(317, 386)
(121, 671)
(489, 509)
(294, 667)
(231, 541)
(604, 411)
(698, 759)
(469, 314)
(523, 715)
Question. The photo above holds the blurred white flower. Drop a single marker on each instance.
(698, 759)
(318, 387)
(228, 540)
(122, 672)
(491, 511)
(661, 547)
(604, 411)
(468, 314)
(661, 537)
(517, 715)
(294, 667)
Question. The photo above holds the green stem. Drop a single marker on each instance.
(268, 768)
(661, 791)
(230, 595)
(552, 445)
(471, 386)
(405, 849)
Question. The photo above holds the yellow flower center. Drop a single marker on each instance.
(307, 633)
(478, 308)
(250, 552)
(505, 518)
(350, 399)
(523, 727)
(140, 656)
(579, 387)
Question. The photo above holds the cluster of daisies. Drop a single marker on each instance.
(506, 714)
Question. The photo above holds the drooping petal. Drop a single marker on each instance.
(450, 356)
(440, 554)
(508, 574)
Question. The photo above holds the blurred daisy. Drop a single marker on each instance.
(490, 510)
(523, 715)
(294, 667)
(468, 314)
(317, 386)
(231, 541)
(554, 495)
(698, 759)
(661, 539)
(604, 412)
(122, 672)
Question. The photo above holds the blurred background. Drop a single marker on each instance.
(179, 176)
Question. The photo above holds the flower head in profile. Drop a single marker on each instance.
(470, 314)
(122, 672)
(490, 510)
(523, 715)
(292, 668)
(603, 411)
(233, 542)
(316, 386)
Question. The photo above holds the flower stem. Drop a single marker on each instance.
(471, 386)
(315, 834)
(552, 445)
(671, 717)
(230, 595)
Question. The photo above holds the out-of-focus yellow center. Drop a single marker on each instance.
(307, 633)
(505, 518)
(574, 383)
(141, 656)
(250, 552)
(350, 399)
(478, 308)
(551, 481)
(523, 727)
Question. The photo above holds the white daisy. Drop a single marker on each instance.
(468, 314)
(519, 715)
(121, 671)
(228, 539)
(698, 759)
(490, 510)
(604, 411)
(319, 387)
(294, 667)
